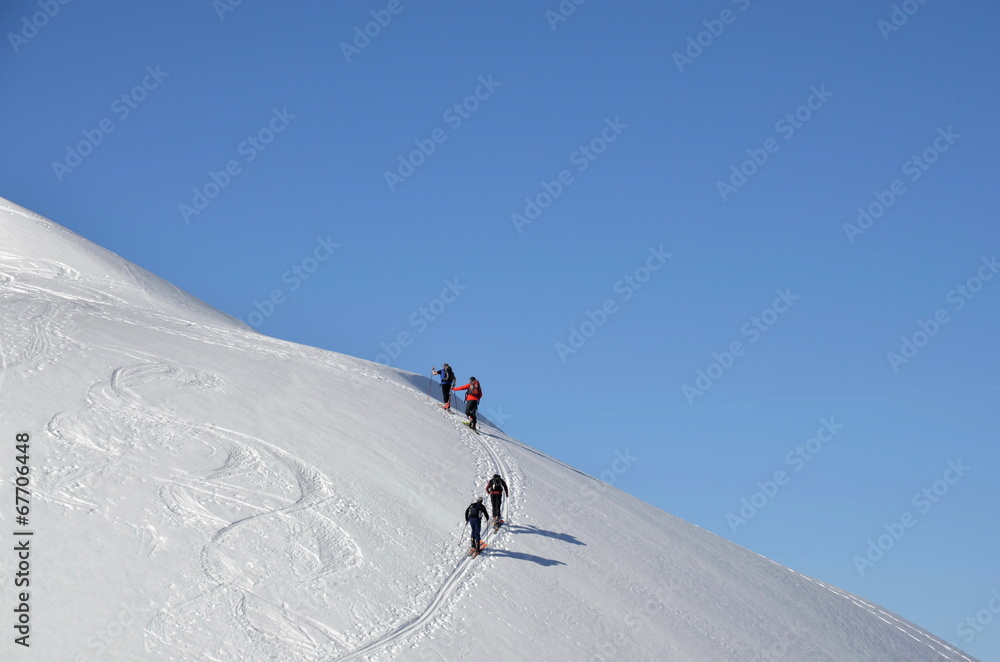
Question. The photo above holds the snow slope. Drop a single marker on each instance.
(202, 492)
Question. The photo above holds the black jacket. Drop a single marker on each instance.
(474, 511)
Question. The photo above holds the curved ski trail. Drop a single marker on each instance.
(270, 540)
(496, 463)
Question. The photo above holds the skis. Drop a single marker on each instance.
(474, 552)
(469, 423)
(497, 523)
(452, 410)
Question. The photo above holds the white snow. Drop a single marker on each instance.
(203, 492)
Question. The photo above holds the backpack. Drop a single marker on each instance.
(476, 391)
(447, 376)
(495, 485)
(472, 511)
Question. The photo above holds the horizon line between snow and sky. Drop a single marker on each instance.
(736, 259)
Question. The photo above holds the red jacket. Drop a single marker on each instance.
(470, 395)
(503, 486)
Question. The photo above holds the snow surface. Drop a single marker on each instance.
(203, 492)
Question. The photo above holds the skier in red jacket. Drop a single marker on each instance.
(474, 392)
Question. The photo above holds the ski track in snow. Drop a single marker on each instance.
(231, 559)
(263, 517)
(33, 341)
(117, 428)
(235, 503)
(50, 280)
(466, 566)
(937, 646)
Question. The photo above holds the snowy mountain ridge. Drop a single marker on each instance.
(203, 492)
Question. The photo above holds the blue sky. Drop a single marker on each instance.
(735, 257)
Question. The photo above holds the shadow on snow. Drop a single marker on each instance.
(564, 537)
(522, 556)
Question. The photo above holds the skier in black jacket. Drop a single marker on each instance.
(473, 515)
(447, 381)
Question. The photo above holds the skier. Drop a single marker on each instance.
(473, 515)
(447, 380)
(474, 393)
(497, 488)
